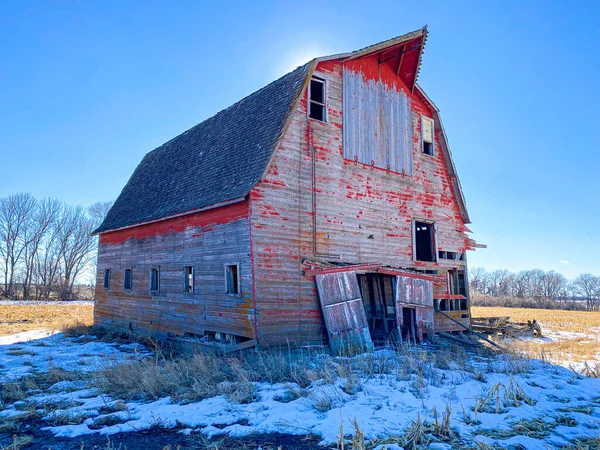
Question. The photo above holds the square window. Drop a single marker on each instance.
(427, 136)
(232, 279)
(107, 279)
(127, 280)
(155, 280)
(188, 279)
(317, 104)
(424, 241)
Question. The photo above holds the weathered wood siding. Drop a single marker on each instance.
(207, 241)
(363, 213)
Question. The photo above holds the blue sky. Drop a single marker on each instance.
(87, 88)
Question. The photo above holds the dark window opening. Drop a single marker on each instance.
(456, 256)
(107, 279)
(425, 241)
(378, 294)
(316, 104)
(443, 305)
(188, 280)
(427, 136)
(232, 281)
(154, 280)
(428, 148)
(456, 282)
(127, 280)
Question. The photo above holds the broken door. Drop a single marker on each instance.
(344, 313)
(418, 294)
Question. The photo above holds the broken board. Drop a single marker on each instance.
(344, 313)
(418, 294)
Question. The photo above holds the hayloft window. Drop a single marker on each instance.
(188, 279)
(427, 135)
(107, 279)
(424, 241)
(316, 104)
(154, 280)
(232, 279)
(127, 280)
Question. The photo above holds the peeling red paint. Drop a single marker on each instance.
(217, 216)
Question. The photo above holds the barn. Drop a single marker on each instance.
(323, 209)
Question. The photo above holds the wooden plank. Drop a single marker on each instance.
(350, 268)
(344, 313)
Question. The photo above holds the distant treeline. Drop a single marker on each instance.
(536, 286)
(45, 246)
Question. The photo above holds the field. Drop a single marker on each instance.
(18, 317)
(76, 390)
(571, 338)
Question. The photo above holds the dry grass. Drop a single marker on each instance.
(575, 334)
(577, 321)
(19, 318)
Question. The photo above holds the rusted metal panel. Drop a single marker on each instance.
(377, 123)
(344, 313)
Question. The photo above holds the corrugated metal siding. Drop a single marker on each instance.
(377, 123)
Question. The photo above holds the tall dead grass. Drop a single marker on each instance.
(199, 376)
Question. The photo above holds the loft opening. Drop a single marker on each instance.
(317, 95)
(424, 241)
(232, 279)
(427, 136)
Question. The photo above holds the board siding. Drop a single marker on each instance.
(363, 214)
(206, 241)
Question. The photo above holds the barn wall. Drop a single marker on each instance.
(206, 241)
(363, 213)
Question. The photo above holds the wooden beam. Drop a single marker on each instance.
(351, 268)
(446, 296)
(420, 276)
(401, 58)
(414, 83)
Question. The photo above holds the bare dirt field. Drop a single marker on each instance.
(17, 318)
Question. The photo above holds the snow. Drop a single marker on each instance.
(24, 353)
(384, 406)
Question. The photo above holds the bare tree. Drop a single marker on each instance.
(587, 286)
(552, 284)
(44, 218)
(47, 263)
(98, 212)
(76, 246)
(15, 213)
(478, 279)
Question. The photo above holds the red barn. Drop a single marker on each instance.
(323, 208)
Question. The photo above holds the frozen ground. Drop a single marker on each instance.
(494, 400)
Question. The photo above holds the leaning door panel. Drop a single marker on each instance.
(344, 313)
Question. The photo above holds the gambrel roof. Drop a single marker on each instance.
(216, 161)
(221, 159)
